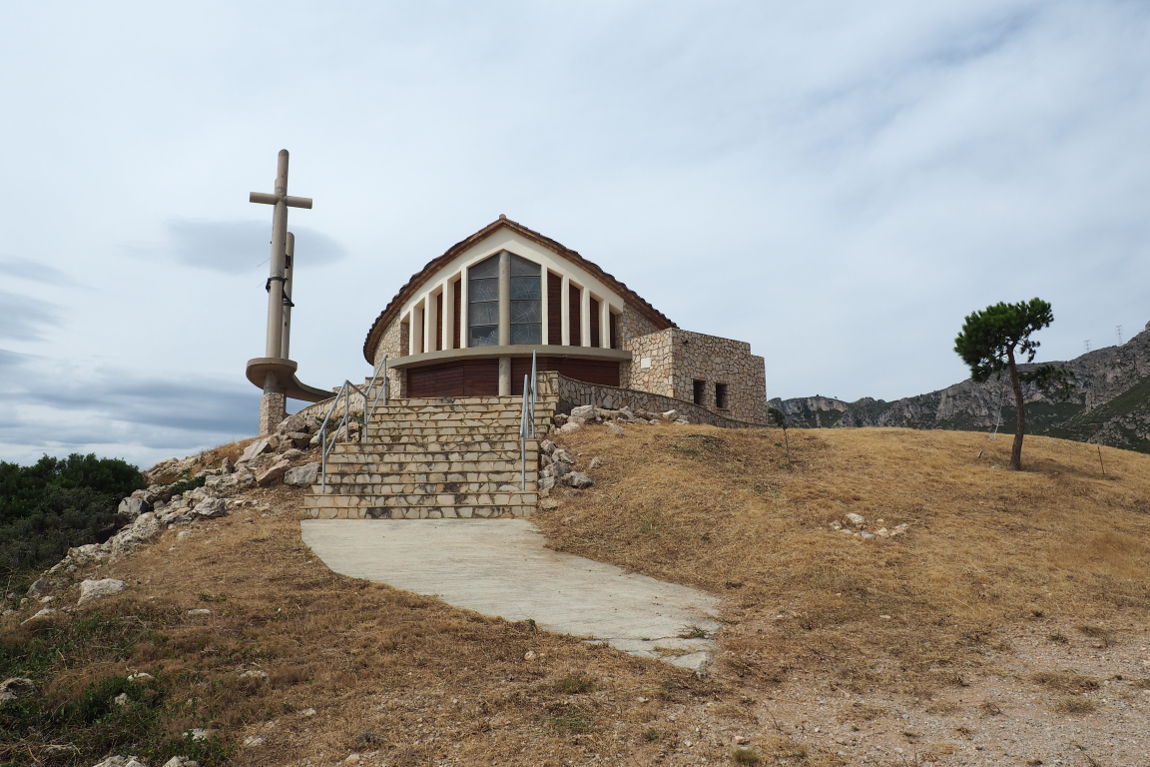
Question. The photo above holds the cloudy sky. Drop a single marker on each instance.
(838, 183)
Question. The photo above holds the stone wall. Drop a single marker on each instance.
(573, 393)
(670, 361)
(394, 342)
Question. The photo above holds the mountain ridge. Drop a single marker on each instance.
(1108, 403)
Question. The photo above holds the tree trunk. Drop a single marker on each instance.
(1019, 415)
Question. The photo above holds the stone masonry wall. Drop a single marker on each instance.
(670, 361)
(573, 393)
(394, 344)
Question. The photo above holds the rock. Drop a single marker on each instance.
(44, 614)
(548, 504)
(669, 415)
(229, 484)
(596, 462)
(559, 419)
(39, 587)
(211, 507)
(546, 483)
(198, 734)
(582, 413)
(120, 761)
(547, 447)
(561, 454)
(615, 430)
(199, 611)
(529, 655)
(140, 677)
(291, 454)
(307, 712)
(259, 447)
(299, 439)
(560, 469)
(120, 700)
(858, 520)
(273, 474)
(252, 741)
(143, 528)
(226, 467)
(181, 761)
(302, 476)
(16, 687)
(91, 590)
(254, 673)
(578, 480)
(132, 507)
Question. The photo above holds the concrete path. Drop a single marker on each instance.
(500, 567)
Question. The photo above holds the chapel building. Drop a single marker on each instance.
(468, 323)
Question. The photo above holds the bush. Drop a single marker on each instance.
(55, 504)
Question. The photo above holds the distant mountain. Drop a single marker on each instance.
(1109, 403)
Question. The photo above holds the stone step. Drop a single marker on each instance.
(455, 437)
(405, 488)
(422, 500)
(461, 512)
(428, 457)
(460, 473)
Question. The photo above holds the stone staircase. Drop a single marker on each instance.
(435, 459)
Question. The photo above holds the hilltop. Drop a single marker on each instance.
(1109, 403)
(888, 598)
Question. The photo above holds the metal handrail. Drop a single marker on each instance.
(344, 395)
(526, 421)
(383, 391)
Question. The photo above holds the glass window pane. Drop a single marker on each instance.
(483, 290)
(488, 268)
(525, 287)
(526, 311)
(521, 267)
(486, 313)
(525, 334)
(484, 335)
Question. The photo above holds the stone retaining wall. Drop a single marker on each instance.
(573, 393)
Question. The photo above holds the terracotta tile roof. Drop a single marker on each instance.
(423, 275)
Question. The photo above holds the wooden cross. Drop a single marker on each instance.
(277, 322)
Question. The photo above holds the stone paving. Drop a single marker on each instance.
(502, 568)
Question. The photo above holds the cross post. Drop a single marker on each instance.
(277, 321)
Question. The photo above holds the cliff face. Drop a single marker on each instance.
(1109, 403)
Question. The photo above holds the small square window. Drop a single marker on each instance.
(721, 396)
(700, 391)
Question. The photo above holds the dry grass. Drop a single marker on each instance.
(386, 671)
(986, 548)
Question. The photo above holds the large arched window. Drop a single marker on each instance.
(526, 303)
(483, 303)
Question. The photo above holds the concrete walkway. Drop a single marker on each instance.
(500, 567)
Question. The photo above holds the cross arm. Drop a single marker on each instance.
(272, 199)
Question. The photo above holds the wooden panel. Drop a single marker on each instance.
(457, 299)
(554, 308)
(574, 315)
(594, 309)
(438, 321)
(463, 378)
(591, 371)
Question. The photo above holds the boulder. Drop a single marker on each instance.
(582, 413)
(259, 447)
(229, 484)
(560, 469)
(16, 687)
(615, 430)
(272, 474)
(132, 507)
(181, 761)
(211, 507)
(855, 519)
(39, 587)
(578, 480)
(561, 454)
(302, 476)
(569, 427)
(143, 528)
(299, 439)
(91, 590)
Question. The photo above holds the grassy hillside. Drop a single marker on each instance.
(986, 548)
(1003, 627)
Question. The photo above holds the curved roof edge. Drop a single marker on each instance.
(419, 278)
